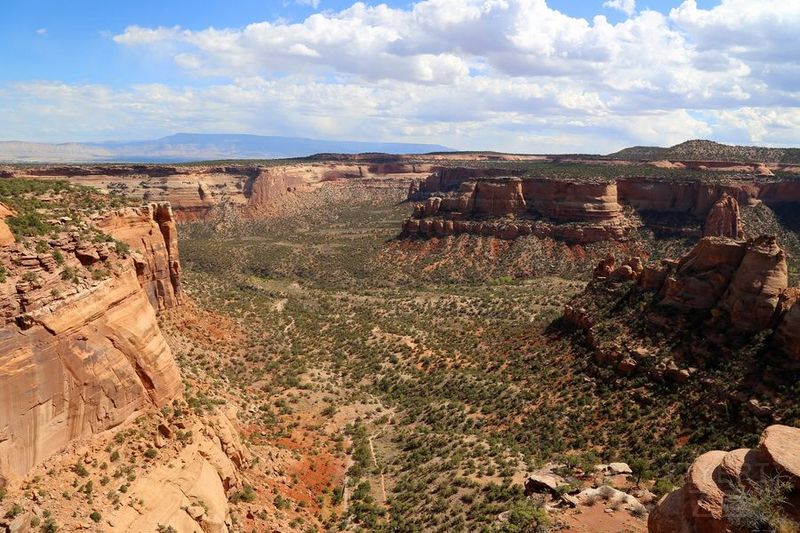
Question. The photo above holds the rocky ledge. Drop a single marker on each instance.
(478, 201)
(715, 499)
(510, 207)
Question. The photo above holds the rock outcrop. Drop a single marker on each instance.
(574, 201)
(722, 281)
(724, 220)
(509, 207)
(753, 295)
(193, 496)
(80, 343)
(703, 275)
(78, 366)
(702, 503)
(151, 233)
(6, 237)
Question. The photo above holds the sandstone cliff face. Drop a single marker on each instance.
(703, 275)
(569, 201)
(81, 347)
(752, 298)
(509, 207)
(714, 476)
(78, 367)
(6, 237)
(151, 233)
(724, 220)
(207, 472)
(692, 197)
(450, 178)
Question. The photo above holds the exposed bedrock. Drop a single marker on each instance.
(81, 352)
(723, 219)
(152, 235)
(569, 201)
(702, 504)
(742, 283)
(79, 366)
(450, 178)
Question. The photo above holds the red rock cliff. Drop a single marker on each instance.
(151, 233)
(81, 347)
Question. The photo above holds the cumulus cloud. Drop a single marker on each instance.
(626, 6)
(471, 73)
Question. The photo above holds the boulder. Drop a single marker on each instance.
(543, 483)
(781, 446)
(698, 505)
(703, 275)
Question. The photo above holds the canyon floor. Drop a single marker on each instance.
(401, 386)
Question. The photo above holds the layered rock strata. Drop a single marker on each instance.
(595, 208)
(81, 347)
(702, 504)
(510, 207)
(724, 220)
(152, 235)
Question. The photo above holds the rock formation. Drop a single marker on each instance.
(752, 298)
(151, 233)
(703, 275)
(510, 207)
(82, 350)
(725, 281)
(702, 503)
(207, 472)
(723, 220)
(6, 237)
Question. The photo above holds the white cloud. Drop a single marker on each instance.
(308, 3)
(470, 73)
(41, 31)
(626, 6)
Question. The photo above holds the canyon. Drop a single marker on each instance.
(372, 341)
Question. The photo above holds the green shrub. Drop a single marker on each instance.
(96, 516)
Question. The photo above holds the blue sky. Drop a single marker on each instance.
(525, 75)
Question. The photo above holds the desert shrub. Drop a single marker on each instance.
(29, 224)
(759, 506)
(247, 494)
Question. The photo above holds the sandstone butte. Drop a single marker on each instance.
(742, 281)
(457, 201)
(714, 476)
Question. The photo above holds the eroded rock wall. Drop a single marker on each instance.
(79, 366)
(152, 235)
(716, 476)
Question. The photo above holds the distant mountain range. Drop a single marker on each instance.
(701, 150)
(184, 147)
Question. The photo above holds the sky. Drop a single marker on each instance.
(513, 75)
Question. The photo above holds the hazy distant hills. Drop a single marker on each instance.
(198, 147)
(700, 150)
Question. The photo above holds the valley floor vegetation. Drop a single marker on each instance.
(437, 388)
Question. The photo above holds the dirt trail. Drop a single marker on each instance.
(376, 435)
